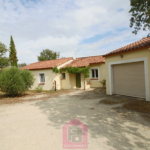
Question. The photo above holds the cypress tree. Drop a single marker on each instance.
(13, 53)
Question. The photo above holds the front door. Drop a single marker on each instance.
(78, 80)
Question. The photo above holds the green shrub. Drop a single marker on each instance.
(39, 89)
(103, 82)
(28, 78)
(14, 81)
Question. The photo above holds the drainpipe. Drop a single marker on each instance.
(55, 85)
(85, 83)
(149, 52)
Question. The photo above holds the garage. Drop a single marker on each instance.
(128, 70)
(129, 79)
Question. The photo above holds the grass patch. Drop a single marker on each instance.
(138, 106)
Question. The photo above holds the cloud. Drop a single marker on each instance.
(63, 25)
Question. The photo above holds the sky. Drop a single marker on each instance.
(93, 27)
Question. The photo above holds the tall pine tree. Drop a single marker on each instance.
(13, 53)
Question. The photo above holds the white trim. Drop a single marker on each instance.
(65, 64)
(92, 68)
(39, 77)
(130, 61)
(81, 79)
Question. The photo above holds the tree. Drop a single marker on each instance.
(13, 53)
(14, 81)
(140, 12)
(28, 78)
(48, 55)
(22, 65)
(4, 61)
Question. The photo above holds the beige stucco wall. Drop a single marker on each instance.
(96, 83)
(82, 81)
(126, 56)
(50, 76)
(70, 81)
(65, 83)
(72, 78)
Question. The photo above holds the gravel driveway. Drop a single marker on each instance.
(37, 125)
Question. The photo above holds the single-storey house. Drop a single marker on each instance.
(97, 73)
(45, 77)
(128, 70)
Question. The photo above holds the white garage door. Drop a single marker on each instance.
(129, 79)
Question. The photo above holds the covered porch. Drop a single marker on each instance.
(74, 81)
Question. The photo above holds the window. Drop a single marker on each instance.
(63, 75)
(42, 77)
(94, 73)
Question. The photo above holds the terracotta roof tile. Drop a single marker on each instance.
(46, 64)
(86, 61)
(145, 42)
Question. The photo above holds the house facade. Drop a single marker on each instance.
(46, 78)
(97, 73)
(44, 75)
(128, 70)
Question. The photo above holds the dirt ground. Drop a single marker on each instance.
(37, 125)
(30, 96)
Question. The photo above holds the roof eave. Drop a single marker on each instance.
(126, 51)
(37, 68)
(97, 63)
